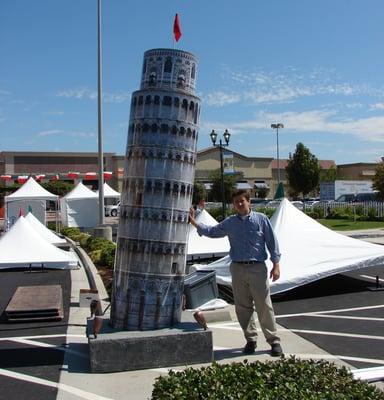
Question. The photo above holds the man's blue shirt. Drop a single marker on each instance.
(248, 236)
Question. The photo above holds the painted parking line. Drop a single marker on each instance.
(343, 317)
(331, 311)
(69, 389)
(343, 334)
(373, 278)
(40, 337)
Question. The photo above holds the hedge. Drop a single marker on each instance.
(284, 379)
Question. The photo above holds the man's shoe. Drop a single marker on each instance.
(249, 348)
(276, 350)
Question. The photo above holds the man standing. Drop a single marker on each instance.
(249, 234)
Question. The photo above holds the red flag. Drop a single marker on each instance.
(177, 28)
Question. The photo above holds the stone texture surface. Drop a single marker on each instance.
(114, 351)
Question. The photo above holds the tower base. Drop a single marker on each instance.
(113, 350)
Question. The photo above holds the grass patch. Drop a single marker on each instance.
(346, 225)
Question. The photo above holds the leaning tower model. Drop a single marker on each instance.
(157, 191)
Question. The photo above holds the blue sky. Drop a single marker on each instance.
(315, 66)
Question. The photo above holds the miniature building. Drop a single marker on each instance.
(156, 194)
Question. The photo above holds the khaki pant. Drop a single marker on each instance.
(250, 287)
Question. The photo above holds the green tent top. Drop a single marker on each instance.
(279, 191)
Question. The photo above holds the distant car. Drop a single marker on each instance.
(273, 203)
(112, 210)
(298, 204)
(346, 198)
(357, 198)
(257, 200)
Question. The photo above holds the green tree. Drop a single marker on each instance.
(328, 175)
(60, 188)
(378, 180)
(198, 192)
(229, 186)
(303, 171)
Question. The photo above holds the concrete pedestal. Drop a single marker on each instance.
(113, 351)
(103, 231)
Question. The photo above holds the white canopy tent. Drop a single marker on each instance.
(43, 231)
(79, 208)
(309, 251)
(31, 197)
(23, 247)
(202, 246)
(109, 193)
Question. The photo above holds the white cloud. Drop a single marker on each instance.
(57, 132)
(85, 93)
(220, 98)
(315, 121)
(270, 87)
(54, 113)
(53, 132)
(377, 106)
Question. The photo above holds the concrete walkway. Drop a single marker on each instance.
(76, 382)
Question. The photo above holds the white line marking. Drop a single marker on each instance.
(33, 343)
(41, 344)
(344, 317)
(338, 356)
(70, 389)
(343, 334)
(41, 337)
(331, 311)
(371, 277)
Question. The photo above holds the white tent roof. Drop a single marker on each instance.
(43, 231)
(31, 190)
(80, 191)
(109, 192)
(309, 251)
(22, 246)
(202, 246)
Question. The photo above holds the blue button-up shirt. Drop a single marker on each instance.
(248, 236)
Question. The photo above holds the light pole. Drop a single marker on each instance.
(221, 145)
(277, 127)
(100, 119)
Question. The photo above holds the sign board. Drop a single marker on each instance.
(332, 190)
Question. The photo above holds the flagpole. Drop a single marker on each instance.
(100, 119)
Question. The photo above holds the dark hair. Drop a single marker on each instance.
(241, 192)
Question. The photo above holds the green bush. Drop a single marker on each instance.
(284, 379)
(101, 250)
(313, 214)
(66, 231)
(372, 214)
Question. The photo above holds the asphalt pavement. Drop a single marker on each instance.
(337, 318)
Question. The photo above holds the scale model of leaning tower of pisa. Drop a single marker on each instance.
(157, 191)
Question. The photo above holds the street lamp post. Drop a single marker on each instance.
(277, 127)
(221, 145)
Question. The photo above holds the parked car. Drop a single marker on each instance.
(112, 210)
(357, 198)
(256, 200)
(298, 204)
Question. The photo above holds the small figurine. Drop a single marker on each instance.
(96, 313)
(199, 317)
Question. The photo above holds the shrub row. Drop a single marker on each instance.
(284, 379)
(102, 251)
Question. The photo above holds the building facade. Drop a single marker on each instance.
(252, 173)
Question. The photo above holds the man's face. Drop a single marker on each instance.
(242, 205)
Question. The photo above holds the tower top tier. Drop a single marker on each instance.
(169, 69)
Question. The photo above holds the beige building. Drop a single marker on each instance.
(252, 173)
(357, 171)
